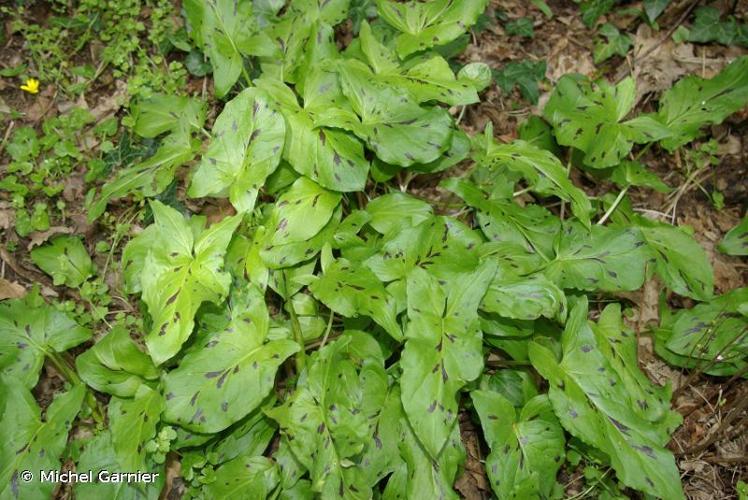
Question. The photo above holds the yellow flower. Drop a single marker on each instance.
(31, 86)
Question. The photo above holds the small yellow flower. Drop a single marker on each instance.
(31, 86)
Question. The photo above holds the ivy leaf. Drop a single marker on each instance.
(588, 116)
(594, 405)
(711, 336)
(229, 372)
(695, 102)
(526, 450)
(328, 421)
(396, 128)
(30, 443)
(653, 8)
(350, 291)
(65, 259)
(133, 423)
(442, 352)
(116, 365)
(423, 25)
(541, 169)
(735, 241)
(708, 27)
(525, 75)
(600, 258)
(617, 44)
(226, 31)
(245, 150)
(244, 477)
(180, 272)
(30, 330)
(592, 10)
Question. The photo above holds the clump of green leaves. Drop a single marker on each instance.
(350, 325)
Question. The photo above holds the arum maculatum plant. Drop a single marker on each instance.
(323, 340)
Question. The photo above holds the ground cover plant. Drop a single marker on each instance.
(322, 328)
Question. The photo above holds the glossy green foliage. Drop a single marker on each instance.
(65, 259)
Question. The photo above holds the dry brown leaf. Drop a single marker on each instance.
(11, 289)
(38, 237)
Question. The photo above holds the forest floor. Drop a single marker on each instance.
(711, 447)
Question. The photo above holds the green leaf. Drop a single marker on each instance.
(423, 25)
(395, 211)
(116, 365)
(303, 211)
(524, 74)
(600, 258)
(520, 27)
(180, 272)
(735, 241)
(428, 78)
(30, 330)
(695, 102)
(711, 336)
(244, 478)
(589, 117)
(526, 449)
(330, 419)
(226, 31)
(653, 8)
(162, 113)
(133, 423)
(516, 386)
(525, 298)
(421, 475)
(396, 128)
(593, 404)
(331, 157)
(681, 261)
(149, 177)
(30, 444)
(249, 437)
(617, 44)
(352, 290)
(708, 27)
(632, 173)
(442, 352)
(99, 455)
(65, 259)
(228, 372)
(541, 169)
(245, 150)
(592, 10)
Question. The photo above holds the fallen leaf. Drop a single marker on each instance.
(11, 289)
(38, 237)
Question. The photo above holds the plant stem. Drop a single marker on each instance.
(69, 373)
(295, 328)
(613, 206)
